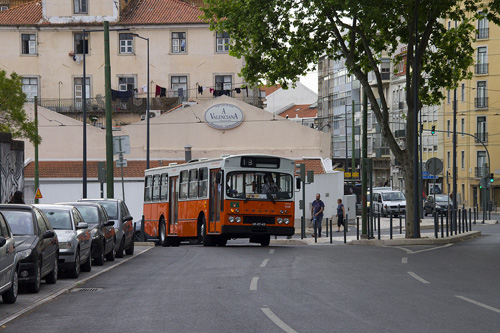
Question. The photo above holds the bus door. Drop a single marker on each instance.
(214, 201)
(173, 206)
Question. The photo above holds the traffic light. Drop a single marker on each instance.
(492, 179)
(433, 130)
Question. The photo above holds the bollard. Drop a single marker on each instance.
(315, 228)
(400, 220)
(442, 226)
(466, 225)
(470, 220)
(327, 227)
(474, 214)
(345, 227)
(447, 224)
(435, 224)
(331, 231)
(458, 220)
(357, 227)
(377, 214)
(142, 229)
(378, 225)
(302, 227)
(390, 226)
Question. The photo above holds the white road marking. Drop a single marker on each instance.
(253, 283)
(277, 321)
(404, 260)
(264, 263)
(478, 303)
(424, 250)
(271, 251)
(415, 276)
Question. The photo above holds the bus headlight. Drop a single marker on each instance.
(237, 219)
(280, 220)
(231, 219)
(287, 220)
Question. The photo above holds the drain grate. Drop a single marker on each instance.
(84, 290)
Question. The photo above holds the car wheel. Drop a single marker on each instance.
(52, 277)
(87, 266)
(75, 272)
(130, 250)
(265, 241)
(111, 255)
(10, 296)
(119, 253)
(99, 260)
(34, 287)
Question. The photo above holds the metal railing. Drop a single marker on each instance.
(481, 137)
(483, 33)
(481, 68)
(481, 102)
(480, 172)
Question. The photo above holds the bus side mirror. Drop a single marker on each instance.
(297, 181)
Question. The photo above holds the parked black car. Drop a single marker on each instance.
(9, 263)
(438, 203)
(36, 244)
(101, 228)
(118, 212)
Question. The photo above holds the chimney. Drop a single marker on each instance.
(187, 153)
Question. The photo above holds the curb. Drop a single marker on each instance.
(64, 290)
(417, 241)
(288, 242)
(152, 244)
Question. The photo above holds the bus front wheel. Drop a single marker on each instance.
(265, 240)
(207, 239)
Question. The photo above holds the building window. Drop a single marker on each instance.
(463, 126)
(448, 97)
(222, 41)
(30, 87)
(223, 82)
(482, 27)
(481, 135)
(178, 42)
(28, 43)
(78, 86)
(126, 83)
(481, 161)
(78, 41)
(463, 92)
(448, 160)
(463, 159)
(448, 128)
(481, 98)
(4, 7)
(178, 84)
(126, 43)
(80, 6)
(482, 60)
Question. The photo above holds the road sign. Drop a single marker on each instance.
(426, 175)
(434, 166)
(348, 174)
(38, 194)
(122, 163)
(121, 144)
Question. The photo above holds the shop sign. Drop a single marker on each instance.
(224, 116)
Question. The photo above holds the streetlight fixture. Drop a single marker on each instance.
(147, 103)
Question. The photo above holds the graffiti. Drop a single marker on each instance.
(11, 166)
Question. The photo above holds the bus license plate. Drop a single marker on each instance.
(259, 224)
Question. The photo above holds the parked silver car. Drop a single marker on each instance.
(74, 238)
(9, 263)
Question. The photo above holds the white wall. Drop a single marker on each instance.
(298, 95)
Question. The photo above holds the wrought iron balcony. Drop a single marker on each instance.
(481, 102)
(481, 137)
(480, 172)
(481, 68)
(483, 33)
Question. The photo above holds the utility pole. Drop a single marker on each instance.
(353, 142)
(37, 178)
(416, 199)
(364, 174)
(454, 172)
(109, 125)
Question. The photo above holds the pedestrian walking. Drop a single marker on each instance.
(341, 215)
(17, 197)
(317, 209)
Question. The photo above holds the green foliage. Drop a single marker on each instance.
(13, 118)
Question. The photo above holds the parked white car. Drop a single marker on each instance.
(389, 202)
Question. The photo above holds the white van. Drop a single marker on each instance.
(387, 202)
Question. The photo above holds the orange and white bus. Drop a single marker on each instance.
(213, 200)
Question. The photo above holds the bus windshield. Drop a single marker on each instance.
(259, 185)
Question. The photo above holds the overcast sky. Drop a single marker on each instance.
(310, 81)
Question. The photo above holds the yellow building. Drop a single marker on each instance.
(43, 42)
(477, 114)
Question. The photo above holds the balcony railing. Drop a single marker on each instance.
(481, 137)
(401, 105)
(483, 33)
(480, 172)
(481, 102)
(481, 68)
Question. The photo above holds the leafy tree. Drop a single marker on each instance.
(279, 39)
(13, 118)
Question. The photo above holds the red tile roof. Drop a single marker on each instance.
(134, 169)
(269, 90)
(160, 12)
(303, 111)
(27, 14)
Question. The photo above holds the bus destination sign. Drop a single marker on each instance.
(224, 116)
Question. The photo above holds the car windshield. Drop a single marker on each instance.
(59, 219)
(442, 197)
(259, 185)
(111, 208)
(393, 196)
(89, 214)
(20, 221)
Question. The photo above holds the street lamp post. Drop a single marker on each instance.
(147, 104)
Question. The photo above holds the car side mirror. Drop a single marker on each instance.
(48, 234)
(82, 225)
(3, 241)
(127, 218)
(109, 224)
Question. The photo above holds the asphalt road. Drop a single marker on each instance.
(315, 288)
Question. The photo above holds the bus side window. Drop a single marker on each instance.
(193, 183)
(164, 187)
(147, 188)
(184, 183)
(203, 182)
(156, 187)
